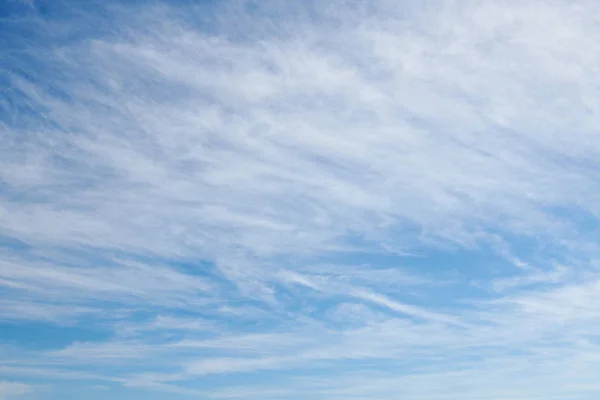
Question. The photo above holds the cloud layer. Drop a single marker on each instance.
(365, 200)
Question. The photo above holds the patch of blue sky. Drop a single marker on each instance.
(47, 336)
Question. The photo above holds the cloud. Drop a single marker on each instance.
(539, 277)
(366, 200)
(451, 183)
(131, 280)
(9, 389)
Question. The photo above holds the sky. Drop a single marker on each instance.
(324, 200)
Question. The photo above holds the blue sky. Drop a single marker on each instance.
(299, 200)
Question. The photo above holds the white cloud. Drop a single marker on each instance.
(230, 162)
(227, 183)
(8, 389)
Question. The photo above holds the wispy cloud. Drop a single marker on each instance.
(339, 199)
(9, 390)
